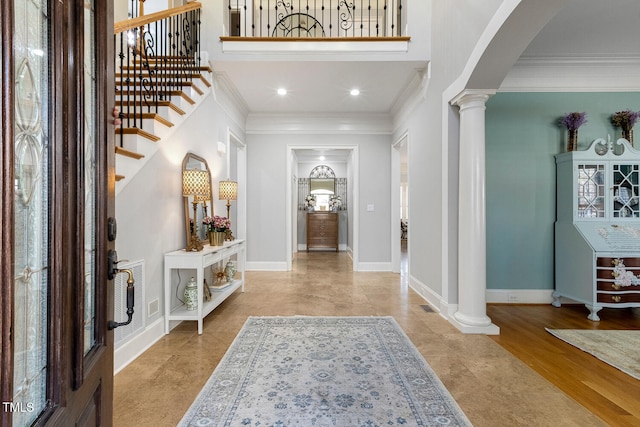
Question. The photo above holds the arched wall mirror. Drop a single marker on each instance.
(322, 180)
(197, 196)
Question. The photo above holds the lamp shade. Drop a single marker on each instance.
(195, 183)
(228, 190)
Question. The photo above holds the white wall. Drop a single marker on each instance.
(150, 210)
(432, 157)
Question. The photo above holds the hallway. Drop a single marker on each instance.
(492, 386)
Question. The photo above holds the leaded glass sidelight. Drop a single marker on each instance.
(31, 235)
(89, 176)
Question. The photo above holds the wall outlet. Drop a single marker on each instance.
(512, 298)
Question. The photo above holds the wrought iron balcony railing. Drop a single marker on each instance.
(315, 18)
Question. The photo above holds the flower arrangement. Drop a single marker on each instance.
(221, 223)
(573, 121)
(310, 200)
(625, 119)
(335, 201)
(208, 222)
(622, 276)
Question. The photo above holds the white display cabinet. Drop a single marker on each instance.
(199, 261)
(597, 231)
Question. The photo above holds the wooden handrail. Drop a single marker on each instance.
(141, 21)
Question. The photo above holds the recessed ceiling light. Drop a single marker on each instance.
(321, 158)
(282, 91)
(354, 92)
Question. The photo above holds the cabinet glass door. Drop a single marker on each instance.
(625, 190)
(591, 191)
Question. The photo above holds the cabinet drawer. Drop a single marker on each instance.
(632, 262)
(209, 259)
(619, 298)
(612, 287)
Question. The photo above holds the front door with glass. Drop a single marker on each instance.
(57, 193)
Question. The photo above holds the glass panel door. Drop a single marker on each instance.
(626, 190)
(591, 181)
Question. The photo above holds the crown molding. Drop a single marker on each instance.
(412, 95)
(611, 73)
(265, 123)
(229, 99)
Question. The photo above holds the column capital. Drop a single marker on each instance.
(471, 95)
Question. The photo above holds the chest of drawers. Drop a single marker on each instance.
(322, 230)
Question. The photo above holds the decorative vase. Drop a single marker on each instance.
(627, 133)
(216, 238)
(229, 271)
(572, 140)
(309, 208)
(191, 294)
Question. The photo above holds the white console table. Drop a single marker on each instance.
(210, 255)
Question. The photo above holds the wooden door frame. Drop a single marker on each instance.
(6, 207)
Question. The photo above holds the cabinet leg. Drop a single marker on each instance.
(593, 315)
(556, 300)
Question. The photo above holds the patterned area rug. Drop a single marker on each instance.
(620, 349)
(323, 371)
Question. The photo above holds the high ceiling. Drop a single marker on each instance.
(583, 29)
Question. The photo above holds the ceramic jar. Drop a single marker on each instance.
(191, 294)
(229, 271)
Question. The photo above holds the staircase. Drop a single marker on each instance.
(159, 82)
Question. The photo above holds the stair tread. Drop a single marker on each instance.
(168, 92)
(128, 153)
(150, 116)
(169, 104)
(170, 84)
(171, 66)
(141, 132)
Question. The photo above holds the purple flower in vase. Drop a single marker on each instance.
(573, 121)
(625, 119)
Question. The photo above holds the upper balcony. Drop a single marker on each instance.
(328, 26)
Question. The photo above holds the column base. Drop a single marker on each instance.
(473, 326)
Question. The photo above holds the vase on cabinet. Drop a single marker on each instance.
(216, 238)
(191, 294)
(229, 271)
(572, 140)
(627, 133)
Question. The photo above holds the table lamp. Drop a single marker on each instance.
(195, 183)
(228, 190)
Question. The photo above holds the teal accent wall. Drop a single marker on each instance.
(522, 137)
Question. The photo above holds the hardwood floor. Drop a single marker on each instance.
(524, 377)
(604, 390)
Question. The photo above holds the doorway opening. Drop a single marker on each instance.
(300, 161)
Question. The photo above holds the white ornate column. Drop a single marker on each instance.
(471, 316)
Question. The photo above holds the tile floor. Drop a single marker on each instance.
(491, 386)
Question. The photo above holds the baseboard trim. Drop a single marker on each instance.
(266, 266)
(374, 266)
(519, 296)
(443, 308)
(129, 351)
